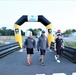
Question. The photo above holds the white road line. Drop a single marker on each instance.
(21, 50)
(74, 73)
(58, 74)
(40, 74)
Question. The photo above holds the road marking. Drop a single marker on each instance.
(21, 50)
(74, 73)
(40, 74)
(58, 74)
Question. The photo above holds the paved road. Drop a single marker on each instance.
(15, 64)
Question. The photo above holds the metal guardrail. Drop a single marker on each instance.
(68, 52)
(9, 48)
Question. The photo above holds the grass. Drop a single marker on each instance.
(10, 37)
(71, 44)
(1, 43)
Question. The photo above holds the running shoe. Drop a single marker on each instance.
(28, 63)
(58, 61)
(55, 57)
(42, 63)
(40, 60)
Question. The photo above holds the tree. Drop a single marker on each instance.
(36, 31)
(23, 33)
(12, 32)
(39, 29)
(73, 30)
(69, 31)
(31, 30)
(4, 30)
(8, 32)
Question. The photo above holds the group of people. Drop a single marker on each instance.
(42, 45)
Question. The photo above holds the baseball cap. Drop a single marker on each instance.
(58, 34)
(43, 31)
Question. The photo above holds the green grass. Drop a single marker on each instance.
(71, 44)
(0, 43)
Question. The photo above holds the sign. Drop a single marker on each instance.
(32, 18)
(49, 31)
(16, 31)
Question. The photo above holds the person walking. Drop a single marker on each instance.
(29, 46)
(42, 45)
(58, 46)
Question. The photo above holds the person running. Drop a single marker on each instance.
(29, 46)
(42, 45)
(58, 45)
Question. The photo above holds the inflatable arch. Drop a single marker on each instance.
(39, 18)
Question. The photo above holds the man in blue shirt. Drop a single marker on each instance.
(58, 45)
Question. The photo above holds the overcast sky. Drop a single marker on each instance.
(61, 13)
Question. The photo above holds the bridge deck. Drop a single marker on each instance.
(15, 64)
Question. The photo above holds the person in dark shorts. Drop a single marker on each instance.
(29, 46)
(58, 45)
(42, 45)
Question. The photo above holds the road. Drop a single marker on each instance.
(15, 64)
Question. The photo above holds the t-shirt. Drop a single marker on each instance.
(58, 42)
(29, 43)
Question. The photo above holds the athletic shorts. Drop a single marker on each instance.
(59, 51)
(30, 51)
(42, 52)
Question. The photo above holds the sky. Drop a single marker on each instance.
(61, 13)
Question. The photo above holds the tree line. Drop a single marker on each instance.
(69, 31)
(4, 31)
(10, 32)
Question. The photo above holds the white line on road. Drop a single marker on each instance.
(74, 73)
(40, 74)
(21, 50)
(58, 74)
